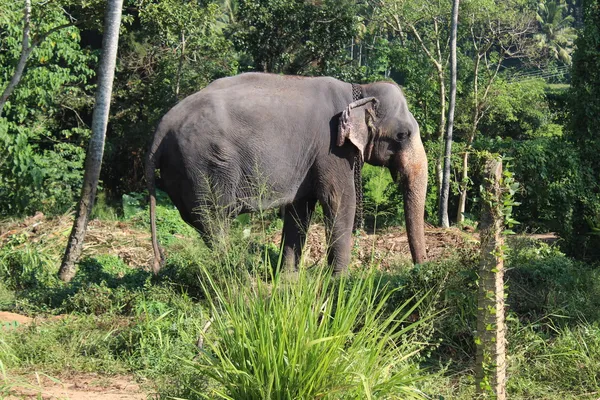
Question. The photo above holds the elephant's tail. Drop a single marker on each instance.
(151, 163)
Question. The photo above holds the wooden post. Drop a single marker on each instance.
(490, 369)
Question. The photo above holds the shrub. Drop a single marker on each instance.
(311, 338)
(544, 282)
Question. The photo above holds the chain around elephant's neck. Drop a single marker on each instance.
(358, 164)
(356, 92)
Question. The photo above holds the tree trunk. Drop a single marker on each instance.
(25, 52)
(462, 201)
(93, 162)
(440, 132)
(445, 192)
(180, 66)
(490, 368)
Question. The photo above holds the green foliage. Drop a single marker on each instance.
(168, 221)
(311, 337)
(557, 33)
(294, 36)
(544, 283)
(517, 109)
(24, 267)
(383, 202)
(32, 179)
(42, 135)
(509, 187)
(561, 364)
(453, 287)
(548, 171)
(585, 119)
(553, 301)
(545, 163)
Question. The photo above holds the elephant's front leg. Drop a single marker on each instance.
(339, 208)
(295, 226)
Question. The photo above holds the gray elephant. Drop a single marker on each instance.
(256, 141)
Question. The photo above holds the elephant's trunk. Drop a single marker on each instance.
(412, 169)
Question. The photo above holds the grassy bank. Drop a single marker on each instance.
(388, 330)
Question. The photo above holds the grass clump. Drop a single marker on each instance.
(315, 337)
(561, 363)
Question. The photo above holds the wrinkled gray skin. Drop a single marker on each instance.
(257, 141)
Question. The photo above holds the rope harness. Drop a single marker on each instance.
(357, 166)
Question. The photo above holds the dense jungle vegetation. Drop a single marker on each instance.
(528, 88)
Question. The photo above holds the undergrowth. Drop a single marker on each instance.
(116, 319)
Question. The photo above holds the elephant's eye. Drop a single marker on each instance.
(402, 135)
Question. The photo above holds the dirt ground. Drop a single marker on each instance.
(79, 386)
(388, 246)
(76, 387)
(135, 249)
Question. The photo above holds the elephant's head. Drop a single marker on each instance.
(386, 134)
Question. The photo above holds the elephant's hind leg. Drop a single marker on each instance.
(295, 226)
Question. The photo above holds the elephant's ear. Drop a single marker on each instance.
(353, 124)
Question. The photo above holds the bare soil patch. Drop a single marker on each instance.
(76, 387)
(12, 318)
(389, 246)
(133, 246)
(548, 238)
(116, 238)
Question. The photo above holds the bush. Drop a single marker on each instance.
(24, 267)
(314, 337)
(544, 283)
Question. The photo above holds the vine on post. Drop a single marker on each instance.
(497, 194)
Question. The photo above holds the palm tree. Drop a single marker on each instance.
(228, 10)
(557, 33)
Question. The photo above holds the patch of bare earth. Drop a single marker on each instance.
(384, 248)
(387, 247)
(79, 386)
(116, 238)
(12, 318)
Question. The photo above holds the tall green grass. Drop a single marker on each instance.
(315, 337)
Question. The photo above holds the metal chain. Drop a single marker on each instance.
(358, 164)
(356, 92)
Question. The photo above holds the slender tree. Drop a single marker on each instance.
(426, 23)
(498, 33)
(106, 73)
(445, 192)
(25, 52)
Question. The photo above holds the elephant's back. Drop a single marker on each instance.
(256, 104)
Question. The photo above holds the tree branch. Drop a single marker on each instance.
(25, 51)
(437, 64)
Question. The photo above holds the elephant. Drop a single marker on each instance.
(256, 141)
